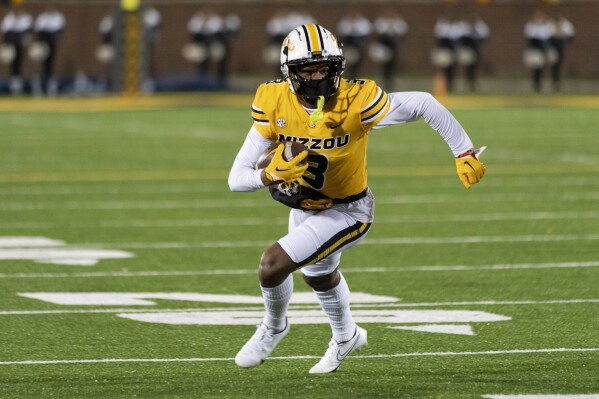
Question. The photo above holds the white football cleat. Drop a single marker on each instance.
(259, 347)
(336, 352)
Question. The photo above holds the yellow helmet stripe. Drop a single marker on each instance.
(314, 36)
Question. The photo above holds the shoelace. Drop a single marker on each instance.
(333, 345)
(264, 336)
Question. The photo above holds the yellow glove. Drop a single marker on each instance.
(470, 169)
(280, 170)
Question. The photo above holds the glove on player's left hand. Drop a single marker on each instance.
(470, 169)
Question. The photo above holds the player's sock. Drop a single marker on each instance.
(276, 302)
(335, 303)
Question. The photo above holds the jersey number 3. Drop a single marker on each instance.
(318, 165)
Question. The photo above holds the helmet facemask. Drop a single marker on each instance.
(310, 89)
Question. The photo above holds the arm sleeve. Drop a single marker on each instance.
(411, 106)
(243, 175)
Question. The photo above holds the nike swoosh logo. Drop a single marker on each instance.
(468, 163)
(341, 356)
(334, 126)
(280, 170)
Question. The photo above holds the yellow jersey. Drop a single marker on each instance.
(337, 143)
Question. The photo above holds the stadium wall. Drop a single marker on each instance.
(502, 54)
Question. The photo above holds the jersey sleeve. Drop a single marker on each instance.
(243, 175)
(411, 106)
(261, 114)
(375, 105)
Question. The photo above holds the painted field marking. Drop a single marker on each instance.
(367, 241)
(362, 316)
(252, 271)
(66, 189)
(221, 317)
(456, 329)
(514, 169)
(162, 189)
(261, 308)
(227, 222)
(252, 203)
(66, 254)
(28, 242)
(302, 357)
(545, 396)
(145, 298)
(45, 250)
(480, 239)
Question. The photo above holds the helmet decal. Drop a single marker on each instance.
(288, 44)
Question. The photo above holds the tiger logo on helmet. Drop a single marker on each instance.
(312, 44)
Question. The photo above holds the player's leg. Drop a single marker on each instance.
(314, 237)
(276, 282)
(333, 294)
(332, 231)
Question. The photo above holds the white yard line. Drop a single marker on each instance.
(107, 189)
(111, 188)
(122, 310)
(261, 308)
(245, 202)
(302, 357)
(372, 241)
(545, 396)
(367, 241)
(252, 271)
(203, 222)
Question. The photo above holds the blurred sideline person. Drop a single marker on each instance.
(106, 51)
(229, 34)
(448, 33)
(152, 22)
(563, 34)
(354, 29)
(390, 30)
(48, 28)
(211, 39)
(474, 32)
(277, 28)
(538, 32)
(16, 30)
(106, 29)
(332, 206)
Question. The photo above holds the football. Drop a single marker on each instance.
(292, 148)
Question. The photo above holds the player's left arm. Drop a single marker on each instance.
(411, 106)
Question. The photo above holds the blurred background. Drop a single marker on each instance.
(90, 47)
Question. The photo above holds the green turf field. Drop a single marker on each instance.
(122, 252)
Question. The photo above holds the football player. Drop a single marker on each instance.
(334, 207)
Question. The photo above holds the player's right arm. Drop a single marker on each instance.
(243, 175)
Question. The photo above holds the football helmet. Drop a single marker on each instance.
(310, 44)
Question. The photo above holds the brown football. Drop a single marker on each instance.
(292, 148)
